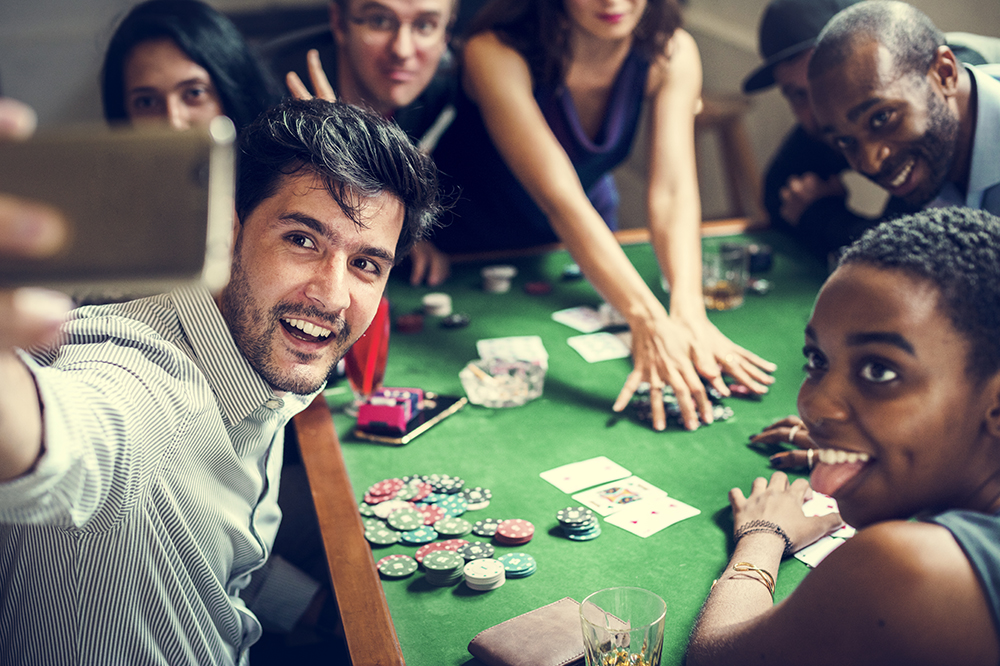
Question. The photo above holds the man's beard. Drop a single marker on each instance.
(937, 148)
(254, 330)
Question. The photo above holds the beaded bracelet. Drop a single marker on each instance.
(756, 526)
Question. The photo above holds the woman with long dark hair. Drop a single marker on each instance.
(182, 61)
(554, 91)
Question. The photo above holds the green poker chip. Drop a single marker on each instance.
(397, 566)
(382, 536)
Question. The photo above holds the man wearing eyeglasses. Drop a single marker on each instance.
(392, 56)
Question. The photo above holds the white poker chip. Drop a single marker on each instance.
(437, 304)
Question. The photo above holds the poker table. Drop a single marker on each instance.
(505, 450)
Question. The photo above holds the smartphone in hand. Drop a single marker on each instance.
(147, 209)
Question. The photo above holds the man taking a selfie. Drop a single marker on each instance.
(140, 454)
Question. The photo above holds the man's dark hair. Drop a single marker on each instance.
(356, 154)
(958, 250)
(907, 32)
(539, 31)
(209, 39)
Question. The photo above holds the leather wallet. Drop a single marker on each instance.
(547, 636)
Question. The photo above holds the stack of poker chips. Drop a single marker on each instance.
(484, 574)
(518, 565)
(443, 568)
(579, 523)
(514, 532)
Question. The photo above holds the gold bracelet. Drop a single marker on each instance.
(763, 575)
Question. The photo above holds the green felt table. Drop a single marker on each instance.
(506, 450)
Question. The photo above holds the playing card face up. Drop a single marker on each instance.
(647, 518)
(584, 474)
(618, 495)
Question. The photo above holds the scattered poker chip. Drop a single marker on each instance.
(453, 527)
(456, 320)
(385, 487)
(437, 304)
(518, 565)
(446, 484)
(475, 550)
(455, 505)
(423, 490)
(405, 519)
(397, 566)
(431, 513)
(432, 498)
(410, 323)
(385, 509)
(419, 536)
(366, 509)
(514, 532)
(484, 574)
(377, 499)
(539, 288)
(409, 491)
(477, 495)
(450, 544)
(382, 536)
(370, 522)
(486, 527)
(572, 272)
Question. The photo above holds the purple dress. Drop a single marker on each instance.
(492, 210)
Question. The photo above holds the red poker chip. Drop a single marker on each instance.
(410, 323)
(450, 544)
(505, 541)
(424, 489)
(431, 513)
(377, 499)
(389, 558)
(539, 288)
(385, 487)
(515, 528)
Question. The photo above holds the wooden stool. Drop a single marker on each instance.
(723, 113)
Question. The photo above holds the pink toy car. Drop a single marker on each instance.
(390, 409)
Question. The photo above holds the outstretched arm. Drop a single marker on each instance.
(499, 81)
(27, 316)
(674, 212)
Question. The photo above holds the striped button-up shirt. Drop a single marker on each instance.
(154, 497)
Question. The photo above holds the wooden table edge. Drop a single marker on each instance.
(371, 636)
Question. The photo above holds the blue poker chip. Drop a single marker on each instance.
(455, 505)
(518, 565)
(584, 536)
(418, 537)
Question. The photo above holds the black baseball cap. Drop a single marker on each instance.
(787, 28)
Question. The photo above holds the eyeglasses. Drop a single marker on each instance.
(378, 27)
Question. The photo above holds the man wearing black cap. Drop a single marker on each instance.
(803, 192)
